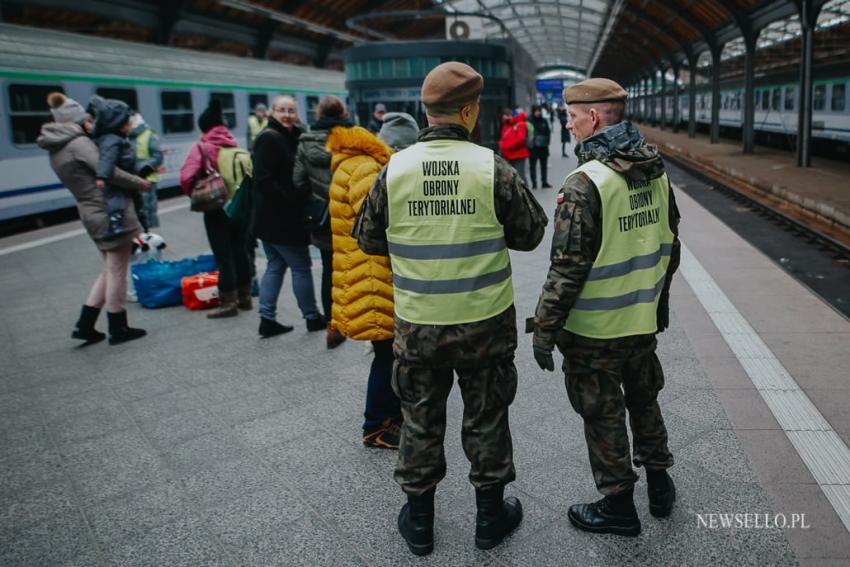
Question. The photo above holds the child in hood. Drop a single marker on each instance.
(111, 128)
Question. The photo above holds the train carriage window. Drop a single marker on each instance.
(775, 99)
(128, 96)
(228, 107)
(839, 98)
(312, 103)
(819, 101)
(257, 98)
(789, 98)
(177, 114)
(28, 111)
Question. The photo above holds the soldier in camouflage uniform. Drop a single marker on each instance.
(607, 376)
(480, 352)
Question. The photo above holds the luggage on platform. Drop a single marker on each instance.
(200, 291)
(158, 284)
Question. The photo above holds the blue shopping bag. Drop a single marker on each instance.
(157, 284)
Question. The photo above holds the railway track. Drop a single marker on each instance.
(812, 250)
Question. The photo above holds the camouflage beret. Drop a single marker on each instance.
(595, 90)
(451, 84)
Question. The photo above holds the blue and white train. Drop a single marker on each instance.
(170, 87)
(776, 109)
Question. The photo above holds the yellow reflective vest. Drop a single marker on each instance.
(620, 296)
(447, 247)
(255, 126)
(143, 151)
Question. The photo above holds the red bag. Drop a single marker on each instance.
(200, 291)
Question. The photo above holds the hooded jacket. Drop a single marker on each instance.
(74, 158)
(193, 167)
(362, 284)
(114, 148)
(278, 203)
(512, 144)
(312, 169)
(578, 227)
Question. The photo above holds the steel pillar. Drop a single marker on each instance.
(748, 131)
(676, 116)
(808, 20)
(692, 98)
(715, 93)
(663, 99)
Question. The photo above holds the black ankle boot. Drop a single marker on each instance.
(271, 328)
(497, 516)
(317, 324)
(615, 514)
(119, 332)
(416, 522)
(85, 330)
(661, 492)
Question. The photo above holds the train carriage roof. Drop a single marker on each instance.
(55, 54)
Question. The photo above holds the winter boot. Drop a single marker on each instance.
(614, 514)
(85, 330)
(662, 493)
(416, 522)
(271, 328)
(334, 338)
(243, 297)
(119, 332)
(226, 306)
(497, 516)
(317, 324)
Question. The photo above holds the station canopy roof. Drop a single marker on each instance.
(556, 33)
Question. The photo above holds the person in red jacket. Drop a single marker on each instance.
(512, 144)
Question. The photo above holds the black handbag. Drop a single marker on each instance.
(314, 215)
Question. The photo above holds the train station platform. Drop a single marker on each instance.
(818, 192)
(203, 445)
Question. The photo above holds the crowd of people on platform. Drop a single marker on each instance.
(109, 158)
(445, 305)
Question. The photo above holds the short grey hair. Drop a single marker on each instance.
(610, 112)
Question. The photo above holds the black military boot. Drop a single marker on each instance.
(416, 522)
(613, 514)
(497, 516)
(119, 332)
(661, 492)
(85, 330)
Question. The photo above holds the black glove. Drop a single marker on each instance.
(663, 313)
(544, 358)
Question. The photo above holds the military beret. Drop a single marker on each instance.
(451, 84)
(595, 90)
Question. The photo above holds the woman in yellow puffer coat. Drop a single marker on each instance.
(362, 284)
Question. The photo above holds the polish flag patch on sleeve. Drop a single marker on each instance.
(561, 197)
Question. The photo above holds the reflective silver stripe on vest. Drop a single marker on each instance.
(461, 285)
(447, 251)
(620, 301)
(630, 265)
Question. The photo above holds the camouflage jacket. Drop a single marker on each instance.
(482, 343)
(578, 225)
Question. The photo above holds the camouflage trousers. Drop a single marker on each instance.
(604, 378)
(487, 392)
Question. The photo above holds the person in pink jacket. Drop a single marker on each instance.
(228, 239)
(512, 144)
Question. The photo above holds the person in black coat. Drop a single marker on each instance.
(539, 147)
(565, 134)
(276, 220)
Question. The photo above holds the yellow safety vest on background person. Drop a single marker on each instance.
(255, 126)
(143, 151)
(447, 248)
(620, 296)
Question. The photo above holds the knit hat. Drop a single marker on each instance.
(380, 107)
(65, 109)
(211, 116)
(399, 130)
